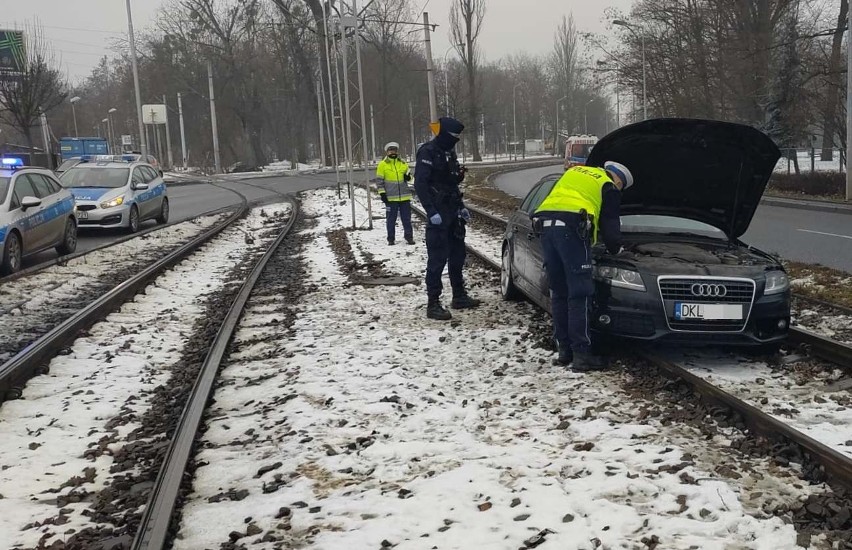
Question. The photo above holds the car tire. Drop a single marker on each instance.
(133, 220)
(164, 212)
(12, 254)
(508, 290)
(69, 239)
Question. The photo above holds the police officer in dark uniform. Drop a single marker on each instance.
(437, 176)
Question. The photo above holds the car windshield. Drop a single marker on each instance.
(581, 149)
(4, 186)
(67, 164)
(668, 225)
(84, 176)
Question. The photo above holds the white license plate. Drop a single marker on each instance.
(82, 215)
(683, 310)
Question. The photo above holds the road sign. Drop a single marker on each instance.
(154, 113)
(126, 139)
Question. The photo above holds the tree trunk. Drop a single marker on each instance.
(828, 112)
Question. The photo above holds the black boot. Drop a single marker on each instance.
(409, 240)
(464, 301)
(565, 357)
(390, 242)
(585, 362)
(435, 311)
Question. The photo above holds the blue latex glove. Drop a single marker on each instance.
(435, 219)
(464, 214)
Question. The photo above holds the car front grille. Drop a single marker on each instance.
(722, 291)
(86, 206)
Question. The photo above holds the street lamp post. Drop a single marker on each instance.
(112, 127)
(514, 124)
(108, 134)
(631, 28)
(556, 133)
(143, 145)
(586, 116)
(74, 100)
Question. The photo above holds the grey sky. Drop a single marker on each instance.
(81, 31)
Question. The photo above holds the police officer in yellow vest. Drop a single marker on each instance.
(584, 202)
(393, 176)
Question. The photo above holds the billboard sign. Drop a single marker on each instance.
(13, 58)
(154, 114)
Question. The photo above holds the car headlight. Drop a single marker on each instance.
(776, 281)
(118, 201)
(622, 278)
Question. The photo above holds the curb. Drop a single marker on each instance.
(836, 208)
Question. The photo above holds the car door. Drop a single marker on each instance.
(34, 234)
(54, 220)
(520, 227)
(157, 188)
(138, 177)
(536, 276)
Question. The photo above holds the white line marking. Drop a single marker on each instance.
(829, 234)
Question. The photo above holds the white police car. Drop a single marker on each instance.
(116, 191)
(36, 213)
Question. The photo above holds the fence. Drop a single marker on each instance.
(809, 161)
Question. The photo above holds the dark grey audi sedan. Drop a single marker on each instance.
(684, 275)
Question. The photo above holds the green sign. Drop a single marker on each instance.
(12, 54)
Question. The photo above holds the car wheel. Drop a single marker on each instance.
(133, 222)
(507, 287)
(69, 240)
(12, 254)
(164, 212)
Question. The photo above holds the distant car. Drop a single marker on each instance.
(684, 276)
(66, 164)
(577, 149)
(117, 192)
(36, 213)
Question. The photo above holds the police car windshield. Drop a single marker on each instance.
(581, 149)
(93, 176)
(641, 223)
(4, 187)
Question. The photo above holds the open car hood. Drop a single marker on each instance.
(706, 170)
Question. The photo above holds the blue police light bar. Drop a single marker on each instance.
(11, 161)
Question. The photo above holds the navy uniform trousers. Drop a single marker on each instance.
(445, 245)
(568, 263)
(403, 209)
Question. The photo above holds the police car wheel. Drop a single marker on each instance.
(508, 290)
(12, 254)
(69, 239)
(164, 212)
(133, 221)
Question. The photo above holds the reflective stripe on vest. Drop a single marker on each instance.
(391, 174)
(580, 188)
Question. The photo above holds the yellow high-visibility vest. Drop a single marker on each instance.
(579, 188)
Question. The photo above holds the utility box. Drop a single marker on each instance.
(534, 147)
(70, 147)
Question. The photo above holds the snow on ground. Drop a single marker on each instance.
(796, 394)
(804, 158)
(41, 292)
(835, 326)
(51, 435)
(366, 425)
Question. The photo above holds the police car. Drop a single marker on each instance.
(36, 213)
(117, 191)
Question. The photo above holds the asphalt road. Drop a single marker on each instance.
(190, 201)
(793, 233)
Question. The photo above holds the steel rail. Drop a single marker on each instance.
(836, 465)
(154, 529)
(32, 360)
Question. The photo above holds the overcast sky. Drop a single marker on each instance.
(80, 30)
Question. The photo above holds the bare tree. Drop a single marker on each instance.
(564, 66)
(37, 90)
(829, 112)
(466, 18)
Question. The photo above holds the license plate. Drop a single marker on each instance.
(82, 215)
(683, 310)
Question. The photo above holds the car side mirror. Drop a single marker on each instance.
(30, 202)
(140, 186)
(161, 173)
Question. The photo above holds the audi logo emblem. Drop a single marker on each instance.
(701, 289)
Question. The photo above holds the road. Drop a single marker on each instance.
(793, 233)
(190, 201)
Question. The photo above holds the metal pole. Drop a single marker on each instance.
(849, 109)
(319, 118)
(373, 130)
(411, 121)
(334, 154)
(482, 120)
(182, 133)
(644, 82)
(365, 145)
(349, 175)
(143, 146)
(216, 160)
(45, 136)
(168, 135)
(430, 77)
(74, 113)
(514, 125)
(109, 136)
(447, 88)
(617, 103)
